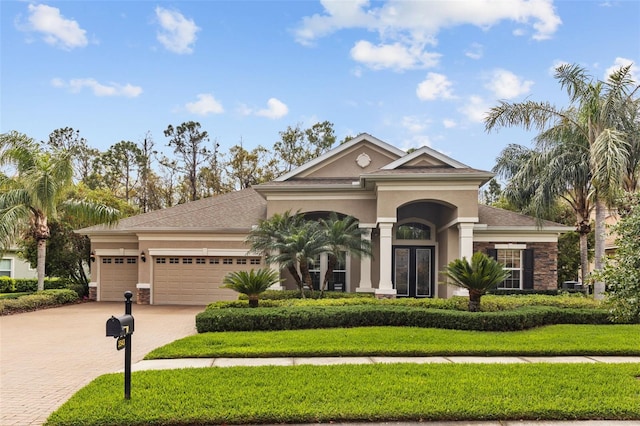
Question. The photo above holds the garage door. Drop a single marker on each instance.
(117, 275)
(196, 280)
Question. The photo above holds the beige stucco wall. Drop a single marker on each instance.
(390, 197)
(360, 205)
(20, 268)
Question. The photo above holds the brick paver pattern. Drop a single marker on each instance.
(48, 355)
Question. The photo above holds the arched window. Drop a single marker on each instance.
(413, 231)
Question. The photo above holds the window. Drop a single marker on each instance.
(255, 261)
(131, 260)
(339, 273)
(227, 261)
(241, 261)
(511, 260)
(5, 267)
(161, 260)
(187, 260)
(174, 260)
(413, 231)
(318, 269)
(118, 260)
(214, 261)
(200, 261)
(315, 271)
(106, 260)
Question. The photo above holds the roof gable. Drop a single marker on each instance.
(376, 153)
(425, 157)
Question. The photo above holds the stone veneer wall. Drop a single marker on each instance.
(545, 262)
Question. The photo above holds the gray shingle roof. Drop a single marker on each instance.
(493, 216)
(232, 212)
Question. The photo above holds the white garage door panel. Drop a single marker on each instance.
(117, 275)
(195, 283)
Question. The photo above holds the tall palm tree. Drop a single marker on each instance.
(36, 191)
(252, 283)
(343, 235)
(596, 112)
(482, 274)
(558, 168)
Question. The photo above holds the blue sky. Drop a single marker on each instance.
(411, 73)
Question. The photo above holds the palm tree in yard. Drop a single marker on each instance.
(343, 236)
(34, 190)
(272, 232)
(556, 169)
(482, 274)
(598, 112)
(252, 283)
(299, 248)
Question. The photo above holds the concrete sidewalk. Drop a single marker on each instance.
(167, 364)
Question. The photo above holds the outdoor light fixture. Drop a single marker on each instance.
(93, 256)
(143, 256)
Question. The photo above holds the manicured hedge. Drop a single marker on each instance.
(42, 299)
(26, 285)
(300, 317)
(295, 294)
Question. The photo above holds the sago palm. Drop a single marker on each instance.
(35, 191)
(252, 283)
(482, 274)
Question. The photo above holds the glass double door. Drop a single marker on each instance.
(413, 271)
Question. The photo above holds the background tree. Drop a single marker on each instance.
(248, 168)
(596, 111)
(297, 146)
(188, 143)
(482, 274)
(37, 192)
(122, 164)
(69, 140)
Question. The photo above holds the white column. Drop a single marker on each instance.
(465, 243)
(385, 287)
(465, 231)
(365, 285)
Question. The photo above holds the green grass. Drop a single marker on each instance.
(301, 394)
(408, 341)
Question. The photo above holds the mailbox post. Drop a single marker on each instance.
(122, 328)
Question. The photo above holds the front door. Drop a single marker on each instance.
(413, 271)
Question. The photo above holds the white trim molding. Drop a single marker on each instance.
(198, 252)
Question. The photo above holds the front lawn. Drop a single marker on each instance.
(409, 341)
(396, 392)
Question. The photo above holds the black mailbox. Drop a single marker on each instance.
(120, 326)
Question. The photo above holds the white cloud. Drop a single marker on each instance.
(506, 85)
(111, 89)
(475, 109)
(415, 141)
(449, 123)
(405, 28)
(177, 33)
(55, 28)
(395, 56)
(435, 86)
(205, 105)
(475, 51)
(557, 63)
(623, 62)
(414, 124)
(275, 109)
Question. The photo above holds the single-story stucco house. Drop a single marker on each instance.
(14, 266)
(420, 211)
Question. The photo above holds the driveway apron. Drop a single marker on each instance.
(46, 356)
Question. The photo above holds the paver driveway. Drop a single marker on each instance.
(46, 356)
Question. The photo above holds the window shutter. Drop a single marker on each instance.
(527, 269)
(493, 253)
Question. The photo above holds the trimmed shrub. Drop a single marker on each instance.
(7, 285)
(42, 299)
(295, 294)
(308, 317)
(29, 285)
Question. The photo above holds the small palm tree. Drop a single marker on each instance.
(252, 283)
(483, 273)
(343, 235)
